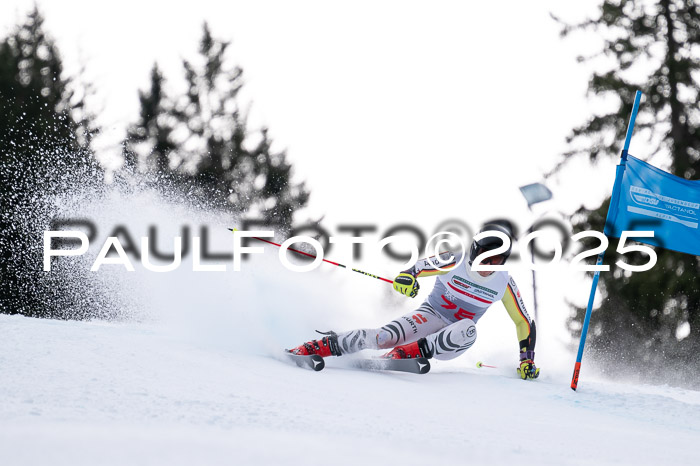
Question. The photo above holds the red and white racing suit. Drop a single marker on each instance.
(447, 317)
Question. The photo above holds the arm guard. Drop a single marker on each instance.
(524, 327)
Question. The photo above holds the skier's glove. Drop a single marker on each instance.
(405, 283)
(527, 369)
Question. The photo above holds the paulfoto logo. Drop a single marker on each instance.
(434, 250)
(360, 236)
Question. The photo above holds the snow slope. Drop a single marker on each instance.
(115, 393)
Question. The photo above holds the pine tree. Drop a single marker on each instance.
(150, 139)
(652, 46)
(45, 136)
(202, 140)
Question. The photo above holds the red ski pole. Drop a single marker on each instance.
(480, 364)
(324, 260)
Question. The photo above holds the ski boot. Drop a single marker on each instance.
(326, 346)
(417, 349)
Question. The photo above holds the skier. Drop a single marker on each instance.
(443, 326)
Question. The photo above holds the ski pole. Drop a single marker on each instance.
(324, 260)
(480, 364)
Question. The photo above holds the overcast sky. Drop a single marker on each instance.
(454, 103)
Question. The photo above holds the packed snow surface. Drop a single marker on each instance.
(133, 393)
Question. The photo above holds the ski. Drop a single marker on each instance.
(415, 366)
(311, 361)
(316, 362)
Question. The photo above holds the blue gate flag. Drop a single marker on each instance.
(648, 198)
